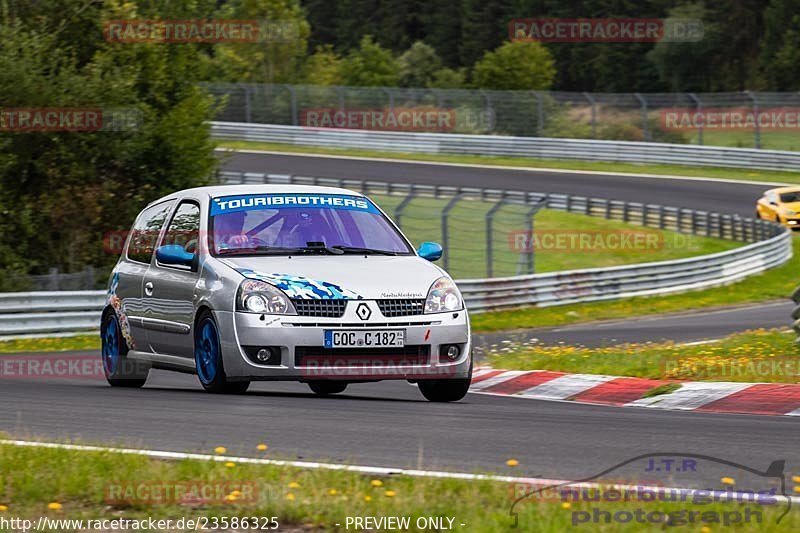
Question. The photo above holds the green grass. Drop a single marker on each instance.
(78, 482)
(709, 172)
(55, 344)
(776, 283)
(768, 356)
(468, 243)
(770, 140)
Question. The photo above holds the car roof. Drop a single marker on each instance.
(795, 188)
(215, 191)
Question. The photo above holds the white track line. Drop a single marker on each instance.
(537, 482)
(500, 167)
(564, 387)
(691, 395)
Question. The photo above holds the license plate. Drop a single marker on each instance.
(380, 338)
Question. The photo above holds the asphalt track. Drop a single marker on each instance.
(389, 424)
(383, 424)
(725, 197)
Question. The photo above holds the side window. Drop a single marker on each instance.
(145, 232)
(184, 229)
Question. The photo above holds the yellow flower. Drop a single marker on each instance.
(376, 483)
(728, 481)
(566, 505)
(262, 447)
(54, 506)
(236, 494)
(333, 492)
(705, 529)
(796, 479)
(512, 462)
(220, 450)
(290, 496)
(797, 490)
(368, 498)
(390, 494)
(229, 464)
(3, 508)
(231, 498)
(294, 485)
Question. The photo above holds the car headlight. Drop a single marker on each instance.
(443, 296)
(260, 297)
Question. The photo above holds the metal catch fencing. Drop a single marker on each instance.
(472, 243)
(496, 145)
(737, 119)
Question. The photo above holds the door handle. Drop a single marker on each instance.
(148, 288)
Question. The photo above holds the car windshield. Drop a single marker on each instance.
(789, 197)
(262, 224)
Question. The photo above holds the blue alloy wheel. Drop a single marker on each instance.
(207, 351)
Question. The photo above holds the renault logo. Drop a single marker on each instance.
(363, 311)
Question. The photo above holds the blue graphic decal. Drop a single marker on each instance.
(302, 288)
(249, 202)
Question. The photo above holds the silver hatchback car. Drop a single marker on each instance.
(282, 282)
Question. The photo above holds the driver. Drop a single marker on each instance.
(228, 230)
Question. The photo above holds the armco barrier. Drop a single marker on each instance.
(497, 145)
(769, 245)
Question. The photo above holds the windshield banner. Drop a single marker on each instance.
(249, 202)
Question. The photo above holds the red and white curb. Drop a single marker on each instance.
(708, 396)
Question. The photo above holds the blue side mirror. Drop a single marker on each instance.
(431, 251)
(174, 254)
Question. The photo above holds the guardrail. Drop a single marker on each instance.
(769, 245)
(497, 145)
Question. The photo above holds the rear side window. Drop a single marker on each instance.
(145, 232)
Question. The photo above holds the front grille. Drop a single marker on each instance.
(402, 307)
(412, 354)
(323, 308)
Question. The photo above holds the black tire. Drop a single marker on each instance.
(445, 390)
(324, 388)
(208, 350)
(758, 214)
(119, 370)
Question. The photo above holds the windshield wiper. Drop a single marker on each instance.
(259, 249)
(357, 250)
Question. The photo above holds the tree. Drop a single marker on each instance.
(780, 46)
(448, 78)
(323, 67)
(61, 191)
(279, 52)
(418, 65)
(370, 65)
(515, 66)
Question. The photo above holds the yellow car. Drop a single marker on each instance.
(781, 205)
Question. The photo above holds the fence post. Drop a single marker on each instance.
(398, 212)
(445, 237)
(248, 117)
(591, 101)
(89, 272)
(645, 128)
(539, 114)
(52, 279)
(489, 248)
(293, 104)
(757, 129)
(699, 105)
(529, 221)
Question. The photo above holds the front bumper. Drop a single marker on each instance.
(303, 357)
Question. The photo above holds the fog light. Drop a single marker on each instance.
(263, 355)
(452, 352)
